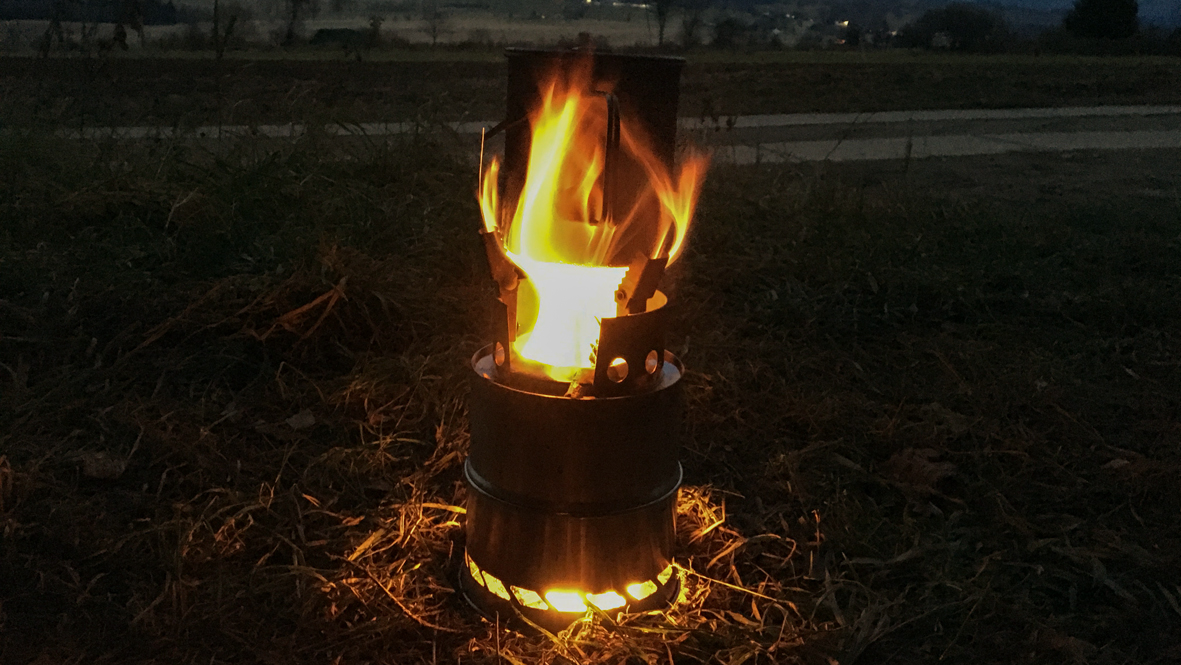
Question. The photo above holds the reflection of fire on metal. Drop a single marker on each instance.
(576, 407)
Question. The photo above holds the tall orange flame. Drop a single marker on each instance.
(556, 233)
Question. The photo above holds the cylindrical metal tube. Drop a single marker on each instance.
(573, 494)
(541, 550)
(572, 497)
(577, 456)
(646, 89)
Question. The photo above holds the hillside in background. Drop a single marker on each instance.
(1160, 12)
(1019, 13)
(790, 23)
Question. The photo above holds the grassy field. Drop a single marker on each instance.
(310, 85)
(941, 424)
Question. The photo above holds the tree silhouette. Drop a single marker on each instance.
(1102, 19)
(221, 37)
(436, 22)
(692, 21)
(663, 7)
(293, 20)
(966, 27)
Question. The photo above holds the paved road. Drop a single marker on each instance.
(838, 137)
(954, 145)
(847, 137)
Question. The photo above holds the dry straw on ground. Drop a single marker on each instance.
(923, 426)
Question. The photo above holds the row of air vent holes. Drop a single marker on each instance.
(565, 601)
(616, 371)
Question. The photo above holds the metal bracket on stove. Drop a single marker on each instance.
(505, 272)
(630, 355)
(610, 156)
(638, 285)
(508, 277)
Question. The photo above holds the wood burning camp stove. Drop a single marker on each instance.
(573, 488)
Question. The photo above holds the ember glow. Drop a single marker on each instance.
(568, 600)
(555, 232)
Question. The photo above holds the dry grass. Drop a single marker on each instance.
(924, 427)
(961, 388)
(235, 409)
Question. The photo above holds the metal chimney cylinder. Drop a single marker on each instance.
(572, 497)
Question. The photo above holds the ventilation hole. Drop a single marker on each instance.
(496, 586)
(499, 355)
(641, 590)
(475, 571)
(665, 574)
(565, 601)
(529, 598)
(617, 371)
(652, 362)
(606, 601)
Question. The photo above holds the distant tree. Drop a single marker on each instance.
(966, 28)
(271, 8)
(1103, 19)
(853, 34)
(436, 22)
(133, 16)
(162, 14)
(574, 10)
(52, 31)
(729, 33)
(375, 22)
(692, 21)
(87, 31)
(221, 36)
(294, 9)
(692, 11)
(663, 8)
(120, 37)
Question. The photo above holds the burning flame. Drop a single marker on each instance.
(556, 233)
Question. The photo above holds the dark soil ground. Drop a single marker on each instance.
(935, 410)
(470, 85)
